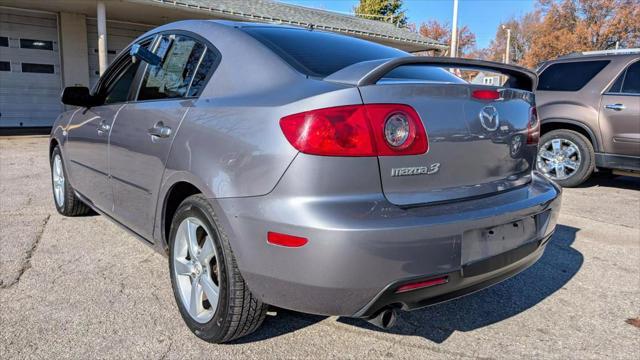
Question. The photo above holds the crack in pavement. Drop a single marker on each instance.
(26, 263)
(167, 351)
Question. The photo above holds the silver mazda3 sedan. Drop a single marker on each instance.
(307, 170)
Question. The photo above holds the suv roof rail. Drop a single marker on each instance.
(602, 52)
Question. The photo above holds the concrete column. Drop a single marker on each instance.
(74, 52)
(103, 61)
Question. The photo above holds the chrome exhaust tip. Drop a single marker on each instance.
(384, 319)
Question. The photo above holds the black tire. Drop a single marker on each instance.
(71, 206)
(238, 312)
(587, 163)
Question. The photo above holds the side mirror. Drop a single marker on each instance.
(142, 53)
(78, 96)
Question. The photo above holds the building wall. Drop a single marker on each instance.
(74, 50)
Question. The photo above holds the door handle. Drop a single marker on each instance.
(159, 130)
(103, 128)
(616, 107)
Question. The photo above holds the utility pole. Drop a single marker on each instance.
(103, 60)
(454, 30)
(507, 50)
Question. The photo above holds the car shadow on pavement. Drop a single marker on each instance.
(555, 268)
(612, 181)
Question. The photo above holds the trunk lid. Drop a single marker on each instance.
(469, 154)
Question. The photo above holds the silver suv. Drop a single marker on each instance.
(589, 108)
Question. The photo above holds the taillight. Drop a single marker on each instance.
(357, 130)
(533, 130)
(486, 94)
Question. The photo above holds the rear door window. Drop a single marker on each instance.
(569, 76)
(172, 77)
(206, 67)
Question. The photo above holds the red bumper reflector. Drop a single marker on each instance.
(275, 238)
(422, 284)
(486, 94)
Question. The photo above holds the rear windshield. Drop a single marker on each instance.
(319, 54)
(421, 73)
(569, 76)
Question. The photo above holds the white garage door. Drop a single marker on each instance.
(119, 35)
(30, 83)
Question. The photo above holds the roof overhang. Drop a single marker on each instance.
(158, 12)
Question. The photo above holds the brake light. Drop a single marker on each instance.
(357, 130)
(533, 130)
(486, 94)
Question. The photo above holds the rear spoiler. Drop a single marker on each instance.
(369, 72)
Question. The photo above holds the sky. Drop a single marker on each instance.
(481, 16)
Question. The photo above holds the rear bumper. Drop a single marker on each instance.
(361, 248)
(467, 280)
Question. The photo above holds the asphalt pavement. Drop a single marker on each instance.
(84, 288)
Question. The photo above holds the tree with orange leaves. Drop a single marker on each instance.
(560, 27)
(441, 32)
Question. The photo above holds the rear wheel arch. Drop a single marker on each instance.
(176, 194)
(566, 124)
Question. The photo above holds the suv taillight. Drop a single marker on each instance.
(357, 130)
(533, 131)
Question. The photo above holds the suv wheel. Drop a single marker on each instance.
(212, 297)
(565, 156)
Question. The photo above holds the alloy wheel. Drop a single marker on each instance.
(58, 180)
(195, 266)
(559, 159)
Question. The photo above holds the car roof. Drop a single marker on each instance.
(245, 24)
(591, 56)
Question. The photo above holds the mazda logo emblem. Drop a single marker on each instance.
(489, 118)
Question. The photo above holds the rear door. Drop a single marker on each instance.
(620, 114)
(476, 146)
(144, 130)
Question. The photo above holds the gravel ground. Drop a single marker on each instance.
(84, 288)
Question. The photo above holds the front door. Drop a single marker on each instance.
(88, 139)
(87, 155)
(620, 114)
(144, 130)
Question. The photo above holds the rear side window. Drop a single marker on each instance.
(629, 81)
(317, 53)
(570, 76)
(171, 78)
(631, 84)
